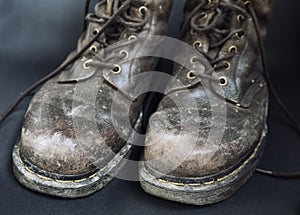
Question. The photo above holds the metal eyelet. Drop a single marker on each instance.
(247, 3)
(240, 35)
(223, 81)
(124, 52)
(194, 60)
(227, 65)
(204, 15)
(132, 37)
(191, 75)
(95, 31)
(85, 64)
(143, 10)
(198, 44)
(233, 49)
(240, 18)
(208, 2)
(94, 49)
(117, 69)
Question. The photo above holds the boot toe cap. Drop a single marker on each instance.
(51, 141)
(184, 153)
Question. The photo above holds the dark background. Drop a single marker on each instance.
(36, 36)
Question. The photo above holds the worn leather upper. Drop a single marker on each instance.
(68, 127)
(243, 98)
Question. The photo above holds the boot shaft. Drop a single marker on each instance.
(262, 9)
(227, 34)
(147, 11)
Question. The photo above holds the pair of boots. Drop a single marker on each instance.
(207, 136)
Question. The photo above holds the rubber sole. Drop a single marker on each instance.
(205, 192)
(67, 188)
(41, 181)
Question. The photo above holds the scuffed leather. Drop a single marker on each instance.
(240, 78)
(243, 130)
(49, 139)
(246, 104)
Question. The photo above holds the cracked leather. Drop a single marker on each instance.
(246, 105)
(49, 138)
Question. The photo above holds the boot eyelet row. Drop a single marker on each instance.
(132, 37)
(233, 49)
(117, 69)
(94, 49)
(198, 44)
(204, 15)
(240, 18)
(95, 31)
(247, 3)
(240, 35)
(85, 64)
(223, 81)
(208, 2)
(227, 65)
(124, 53)
(143, 10)
(191, 75)
(194, 60)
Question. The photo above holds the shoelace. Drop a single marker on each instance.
(226, 35)
(117, 13)
(280, 174)
(103, 60)
(214, 32)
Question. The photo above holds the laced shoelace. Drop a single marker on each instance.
(117, 12)
(225, 35)
(214, 32)
(279, 174)
(103, 60)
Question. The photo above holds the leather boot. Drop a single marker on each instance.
(69, 146)
(228, 35)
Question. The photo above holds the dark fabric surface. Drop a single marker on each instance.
(36, 36)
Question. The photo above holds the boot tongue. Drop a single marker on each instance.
(134, 12)
(223, 26)
(109, 6)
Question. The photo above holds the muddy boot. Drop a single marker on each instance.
(216, 145)
(69, 146)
